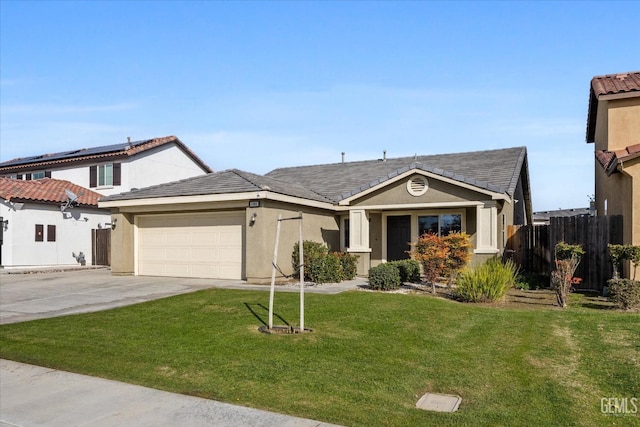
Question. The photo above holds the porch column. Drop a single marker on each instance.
(487, 228)
(359, 239)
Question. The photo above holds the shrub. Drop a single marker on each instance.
(384, 277)
(325, 269)
(409, 270)
(487, 282)
(322, 266)
(432, 253)
(312, 251)
(527, 281)
(349, 264)
(619, 253)
(459, 246)
(567, 260)
(624, 293)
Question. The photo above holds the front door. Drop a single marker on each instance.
(398, 237)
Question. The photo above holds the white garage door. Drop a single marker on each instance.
(191, 245)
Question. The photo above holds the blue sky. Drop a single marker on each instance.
(261, 85)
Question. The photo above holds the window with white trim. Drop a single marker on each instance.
(105, 175)
(441, 225)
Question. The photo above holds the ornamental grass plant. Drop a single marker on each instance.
(487, 282)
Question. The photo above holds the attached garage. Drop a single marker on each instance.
(207, 245)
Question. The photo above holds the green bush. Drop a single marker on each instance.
(322, 266)
(384, 277)
(487, 282)
(526, 281)
(564, 250)
(625, 293)
(349, 265)
(325, 269)
(409, 270)
(312, 251)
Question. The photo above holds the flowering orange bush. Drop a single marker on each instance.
(432, 253)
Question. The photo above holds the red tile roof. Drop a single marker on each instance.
(45, 190)
(613, 84)
(628, 153)
(110, 151)
(604, 158)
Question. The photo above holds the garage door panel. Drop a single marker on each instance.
(196, 245)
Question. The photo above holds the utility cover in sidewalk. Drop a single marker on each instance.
(439, 402)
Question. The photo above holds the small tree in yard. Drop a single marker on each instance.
(432, 253)
(567, 259)
(459, 245)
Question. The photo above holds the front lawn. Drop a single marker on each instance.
(369, 359)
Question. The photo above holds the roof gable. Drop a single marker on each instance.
(126, 149)
(45, 190)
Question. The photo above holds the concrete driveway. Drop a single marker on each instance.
(49, 294)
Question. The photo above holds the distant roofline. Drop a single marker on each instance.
(126, 149)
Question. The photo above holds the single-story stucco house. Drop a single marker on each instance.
(223, 225)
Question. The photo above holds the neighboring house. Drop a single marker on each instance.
(113, 169)
(543, 217)
(35, 231)
(223, 225)
(613, 126)
(105, 170)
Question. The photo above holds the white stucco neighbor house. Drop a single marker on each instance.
(41, 225)
(33, 192)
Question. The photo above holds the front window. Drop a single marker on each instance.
(37, 175)
(105, 175)
(441, 225)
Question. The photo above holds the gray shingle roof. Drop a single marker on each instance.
(224, 182)
(494, 170)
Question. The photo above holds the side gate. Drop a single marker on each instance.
(101, 246)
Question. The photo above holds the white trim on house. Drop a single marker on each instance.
(486, 229)
(208, 198)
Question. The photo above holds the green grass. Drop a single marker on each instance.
(369, 359)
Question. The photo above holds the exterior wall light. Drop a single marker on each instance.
(252, 220)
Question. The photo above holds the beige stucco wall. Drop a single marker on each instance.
(439, 192)
(122, 243)
(623, 123)
(618, 127)
(318, 225)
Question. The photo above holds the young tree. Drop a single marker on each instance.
(567, 259)
(432, 253)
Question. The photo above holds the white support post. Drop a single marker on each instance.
(273, 272)
(301, 276)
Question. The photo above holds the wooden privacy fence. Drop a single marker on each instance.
(531, 246)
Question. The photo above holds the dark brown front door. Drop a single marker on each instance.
(398, 237)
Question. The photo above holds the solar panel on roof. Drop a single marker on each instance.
(105, 149)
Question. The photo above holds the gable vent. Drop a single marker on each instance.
(417, 186)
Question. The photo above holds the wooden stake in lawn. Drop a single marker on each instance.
(274, 265)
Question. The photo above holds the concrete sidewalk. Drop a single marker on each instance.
(35, 396)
